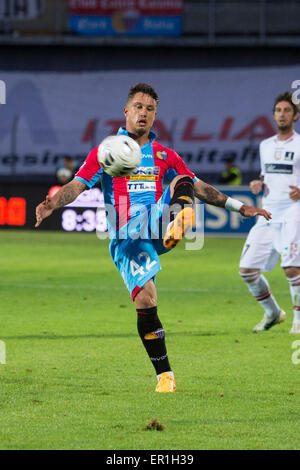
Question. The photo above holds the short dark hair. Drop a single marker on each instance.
(286, 96)
(142, 88)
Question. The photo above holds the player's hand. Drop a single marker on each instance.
(43, 211)
(256, 186)
(294, 193)
(250, 211)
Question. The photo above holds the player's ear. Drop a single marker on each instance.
(125, 111)
(296, 117)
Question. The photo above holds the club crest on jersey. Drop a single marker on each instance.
(289, 156)
(278, 154)
(162, 155)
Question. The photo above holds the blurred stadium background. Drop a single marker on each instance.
(67, 65)
(68, 326)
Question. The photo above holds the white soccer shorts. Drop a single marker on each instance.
(266, 242)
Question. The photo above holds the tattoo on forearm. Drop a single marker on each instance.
(67, 195)
(212, 196)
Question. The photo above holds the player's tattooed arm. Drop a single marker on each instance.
(207, 193)
(67, 194)
(64, 196)
(211, 195)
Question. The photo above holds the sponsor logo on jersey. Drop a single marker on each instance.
(162, 155)
(278, 168)
(145, 173)
(136, 187)
(147, 155)
(289, 156)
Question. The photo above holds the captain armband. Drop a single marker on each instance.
(233, 204)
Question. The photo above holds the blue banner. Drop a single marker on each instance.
(219, 221)
(123, 26)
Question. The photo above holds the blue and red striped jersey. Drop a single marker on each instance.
(143, 187)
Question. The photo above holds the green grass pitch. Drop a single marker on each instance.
(77, 376)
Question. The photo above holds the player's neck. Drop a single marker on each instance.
(141, 140)
(285, 134)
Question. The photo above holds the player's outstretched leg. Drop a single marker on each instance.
(182, 215)
(260, 289)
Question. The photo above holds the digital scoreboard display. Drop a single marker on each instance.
(86, 213)
(18, 203)
(12, 211)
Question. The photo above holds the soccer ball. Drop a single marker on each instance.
(119, 155)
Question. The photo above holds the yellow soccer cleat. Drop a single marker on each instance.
(183, 223)
(166, 383)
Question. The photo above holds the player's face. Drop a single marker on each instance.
(284, 116)
(140, 113)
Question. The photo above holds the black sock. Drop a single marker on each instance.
(183, 195)
(152, 335)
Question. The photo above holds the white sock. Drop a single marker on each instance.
(295, 294)
(169, 372)
(260, 289)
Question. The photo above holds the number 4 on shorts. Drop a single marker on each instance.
(137, 269)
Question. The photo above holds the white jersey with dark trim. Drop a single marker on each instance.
(280, 167)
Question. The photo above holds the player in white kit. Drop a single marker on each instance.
(279, 237)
